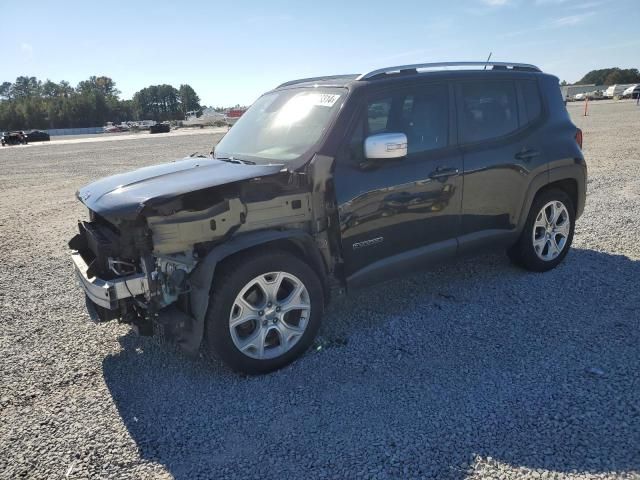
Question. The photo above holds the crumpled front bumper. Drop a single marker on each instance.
(107, 293)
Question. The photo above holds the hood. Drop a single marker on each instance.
(126, 194)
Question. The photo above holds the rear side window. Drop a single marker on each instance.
(489, 110)
(532, 103)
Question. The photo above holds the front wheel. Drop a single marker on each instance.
(547, 234)
(265, 311)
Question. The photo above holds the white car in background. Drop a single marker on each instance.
(595, 95)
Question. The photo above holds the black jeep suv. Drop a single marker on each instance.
(328, 184)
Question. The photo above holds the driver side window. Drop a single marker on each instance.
(421, 113)
(378, 115)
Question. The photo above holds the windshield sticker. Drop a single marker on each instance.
(325, 99)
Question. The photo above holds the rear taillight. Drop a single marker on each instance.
(579, 138)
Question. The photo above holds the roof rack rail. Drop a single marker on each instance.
(443, 65)
(311, 79)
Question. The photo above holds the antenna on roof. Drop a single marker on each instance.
(488, 58)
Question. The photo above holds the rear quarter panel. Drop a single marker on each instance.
(559, 148)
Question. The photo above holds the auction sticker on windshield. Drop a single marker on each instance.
(325, 99)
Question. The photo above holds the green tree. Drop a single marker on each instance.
(189, 100)
(66, 90)
(50, 89)
(5, 89)
(104, 85)
(25, 87)
(610, 76)
(30, 103)
(158, 102)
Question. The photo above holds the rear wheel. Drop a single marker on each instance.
(264, 312)
(548, 232)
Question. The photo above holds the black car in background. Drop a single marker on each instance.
(17, 137)
(160, 128)
(37, 136)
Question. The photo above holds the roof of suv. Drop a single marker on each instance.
(409, 71)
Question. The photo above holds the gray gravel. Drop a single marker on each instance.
(474, 370)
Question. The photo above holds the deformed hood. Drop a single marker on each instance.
(126, 194)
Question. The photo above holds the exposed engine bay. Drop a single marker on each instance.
(138, 261)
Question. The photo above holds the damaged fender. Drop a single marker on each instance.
(189, 330)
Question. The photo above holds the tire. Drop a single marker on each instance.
(245, 292)
(541, 255)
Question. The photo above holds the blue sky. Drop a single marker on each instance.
(232, 51)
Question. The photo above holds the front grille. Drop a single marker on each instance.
(96, 243)
(97, 219)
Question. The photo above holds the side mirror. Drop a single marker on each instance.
(385, 145)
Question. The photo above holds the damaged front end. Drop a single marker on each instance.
(116, 269)
(148, 251)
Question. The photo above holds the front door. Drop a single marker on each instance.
(390, 208)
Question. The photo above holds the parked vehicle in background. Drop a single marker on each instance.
(208, 116)
(615, 91)
(233, 115)
(37, 136)
(111, 128)
(595, 95)
(330, 184)
(632, 92)
(16, 137)
(160, 128)
(141, 124)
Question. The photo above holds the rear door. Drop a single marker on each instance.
(499, 133)
(394, 207)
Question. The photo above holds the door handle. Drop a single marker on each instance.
(526, 154)
(442, 172)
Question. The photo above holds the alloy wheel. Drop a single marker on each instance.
(551, 230)
(269, 315)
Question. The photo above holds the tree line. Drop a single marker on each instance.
(31, 103)
(610, 76)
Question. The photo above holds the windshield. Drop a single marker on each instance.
(282, 125)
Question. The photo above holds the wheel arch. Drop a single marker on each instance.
(301, 245)
(572, 179)
(297, 242)
(567, 185)
(569, 178)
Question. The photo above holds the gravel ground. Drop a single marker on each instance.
(473, 370)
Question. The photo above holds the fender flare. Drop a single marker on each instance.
(190, 331)
(577, 171)
(574, 171)
(539, 181)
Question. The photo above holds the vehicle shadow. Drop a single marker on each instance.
(415, 378)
